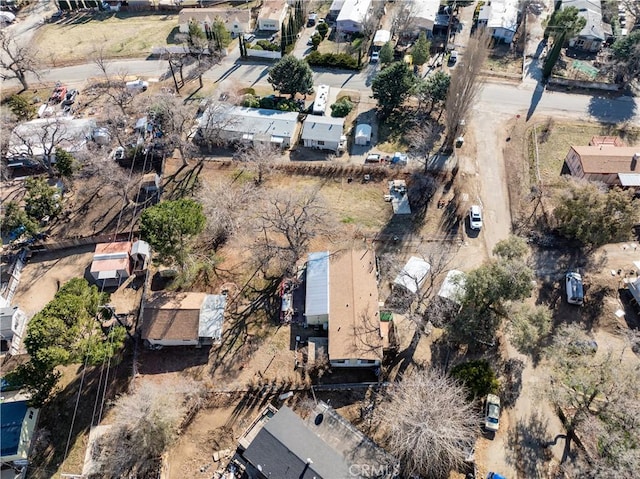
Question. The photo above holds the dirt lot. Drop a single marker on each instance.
(75, 38)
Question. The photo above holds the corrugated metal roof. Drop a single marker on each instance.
(317, 298)
(212, 316)
(413, 274)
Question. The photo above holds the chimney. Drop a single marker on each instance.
(634, 161)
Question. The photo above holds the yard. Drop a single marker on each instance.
(78, 37)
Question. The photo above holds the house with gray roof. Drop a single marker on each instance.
(594, 33)
(226, 124)
(323, 133)
(323, 446)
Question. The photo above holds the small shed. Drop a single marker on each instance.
(453, 286)
(140, 255)
(363, 134)
(412, 275)
(111, 263)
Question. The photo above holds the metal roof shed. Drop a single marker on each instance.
(453, 286)
(317, 294)
(363, 134)
(211, 317)
(413, 274)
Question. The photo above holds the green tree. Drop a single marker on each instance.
(291, 75)
(434, 89)
(341, 108)
(41, 200)
(197, 38)
(316, 39)
(323, 29)
(486, 291)
(513, 247)
(528, 327)
(391, 87)
(386, 53)
(477, 376)
(595, 217)
(420, 51)
(66, 331)
(626, 53)
(66, 164)
(565, 22)
(15, 217)
(220, 33)
(21, 107)
(170, 225)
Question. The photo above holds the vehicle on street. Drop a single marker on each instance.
(453, 57)
(310, 42)
(313, 18)
(70, 97)
(574, 288)
(137, 85)
(492, 413)
(373, 158)
(59, 92)
(475, 217)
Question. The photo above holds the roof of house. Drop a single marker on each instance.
(591, 11)
(336, 5)
(212, 316)
(210, 14)
(322, 128)
(608, 159)
(317, 293)
(413, 274)
(354, 319)
(70, 134)
(503, 14)
(452, 286)
(110, 258)
(354, 10)
(425, 9)
(606, 140)
(254, 123)
(272, 9)
(323, 446)
(172, 316)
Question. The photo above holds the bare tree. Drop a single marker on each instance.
(286, 223)
(465, 86)
(429, 424)
(597, 396)
(114, 83)
(633, 7)
(259, 156)
(17, 60)
(144, 426)
(403, 21)
(217, 117)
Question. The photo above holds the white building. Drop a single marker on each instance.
(321, 99)
(236, 21)
(422, 17)
(363, 134)
(252, 125)
(316, 310)
(323, 132)
(353, 16)
(182, 319)
(593, 35)
(412, 275)
(272, 14)
(501, 18)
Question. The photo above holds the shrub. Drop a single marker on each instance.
(335, 60)
(267, 102)
(341, 108)
(477, 376)
(247, 91)
(287, 105)
(323, 29)
(251, 101)
(267, 45)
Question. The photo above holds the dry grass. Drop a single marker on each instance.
(121, 35)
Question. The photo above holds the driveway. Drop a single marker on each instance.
(301, 49)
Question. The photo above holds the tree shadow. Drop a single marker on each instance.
(527, 450)
(611, 109)
(535, 100)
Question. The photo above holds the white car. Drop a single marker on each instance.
(574, 287)
(492, 413)
(475, 217)
(137, 85)
(375, 56)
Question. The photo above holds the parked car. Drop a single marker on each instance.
(492, 413)
(373, 158)
(375, 57)
(137, 85)
(495, 475)
(59, 92)
(70, 97)
(453, 57)
(249, 37)
(118, 154)
(475, 217)
(574, 288)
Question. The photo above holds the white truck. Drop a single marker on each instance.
(380, 38)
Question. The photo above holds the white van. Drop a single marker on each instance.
(574, 287)
(137, 85)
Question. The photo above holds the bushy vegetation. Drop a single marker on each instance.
(477, 376)
(335, 60)
(342, 107)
